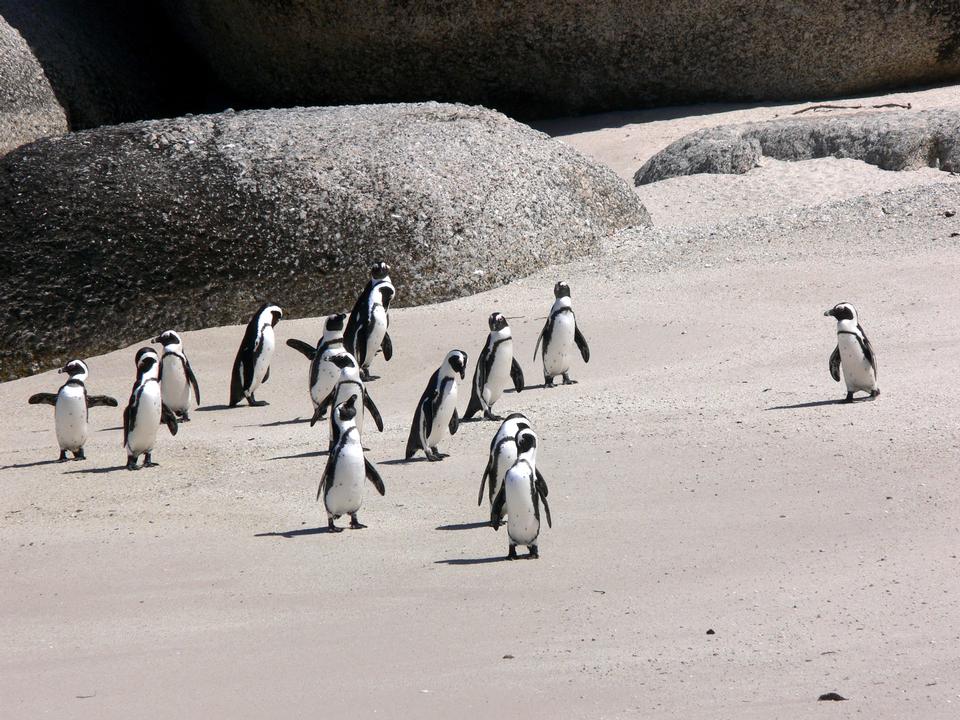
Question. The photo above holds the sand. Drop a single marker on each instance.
(702, 478)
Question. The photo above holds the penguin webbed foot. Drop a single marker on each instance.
(548, 382)
(567, 380)
(512, 552)
(63, 456)
(356, 524)
(875, 393)
(79, 455)
(148, 461)
(253, 402)
(532, 552)
(849, 397)
(183, 417)
(333, 528)
(487, 415)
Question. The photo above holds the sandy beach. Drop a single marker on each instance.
(702, 477)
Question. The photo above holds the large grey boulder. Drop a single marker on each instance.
(28, 107)
(113, 234)
(555, 57)
(894, 140)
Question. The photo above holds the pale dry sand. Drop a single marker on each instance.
(701, 478)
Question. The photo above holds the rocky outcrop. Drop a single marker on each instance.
(566, 57)
(28, 107)
(896, 140)
(113, 234)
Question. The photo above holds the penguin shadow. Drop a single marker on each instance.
(311, 453)
(403, 461)
(322, 530)
(111, 429)
(95, 470)
(279, 423)
(465, 526)
(211, 408)
(820, 403)
(19, 466)
(513, 391)
(471, 561)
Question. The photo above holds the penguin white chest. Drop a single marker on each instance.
(175, 389)
(557, 355)
(70, 418)
(144, 434)
(523, 527)
(378, 328)
(505, 459)
(499, 378)
(262, 362)
(344, 493)
(441, 421)
(857, 372)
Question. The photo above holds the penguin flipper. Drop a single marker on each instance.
(168, 418)
(474, 406)
(236, 380)
(868, 350)
(541, 484)
(266, 376)
(327, 472)
(496, 508)
(488, 471)
(516, 373)
(536, 348)
(302, 347)
(581, 342)
(374, 412)
(835, 364)
(192, 379)
(43, 399)
(387, 346)
(101, 401)
(454, 422)
(542, 491)
(374, 477)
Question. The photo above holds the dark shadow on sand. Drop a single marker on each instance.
(97, 470)
(111, 429)
(465, 526)
(820, 403)
(209, 408)
(471, 561)
(278, 423)
(33, 464)
(297, 533)
(311, 453)
(404, 461)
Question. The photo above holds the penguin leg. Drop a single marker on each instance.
(331, 527)
(875, 392)
(63, 456)
(849, 397)
(148, 462)
(567, 380)
(364, 374)
(439, 455)
(354, 523)
(488, 415)
(78, 455)
(534, 553)
(254, 402)
(512, 552)
(132, 462)
(548, 381)
(184, 416)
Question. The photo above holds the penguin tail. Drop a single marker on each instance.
(473, 407)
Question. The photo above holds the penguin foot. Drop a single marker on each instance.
(78, 455)
(356, 524)
(848, 398)
(490, 416)
(133, 467)
(333, 528)
(184, 417)
(256, 403)
(132, 462)
(63, 456)
(567, 380)
(874, 394)
(148, 461)
(533, 553)
(548, 382)
(512, 552)
(433, 457)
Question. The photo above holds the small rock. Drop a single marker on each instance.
(831, 696)
(711, 632)
(949, 213)
(508, 657)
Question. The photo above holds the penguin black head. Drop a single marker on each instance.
(497, 322)
(335, 322)
(457, 359)
(169, 337)
(379, 270)
(561, 289)
(347, 410)
(141, 352)
(276, 313)
(526, 441)
(146, 362)
(842, 311)
(75, 368)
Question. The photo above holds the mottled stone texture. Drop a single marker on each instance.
(891, 140)
(28, 107)
(111, 235)
(560, 56)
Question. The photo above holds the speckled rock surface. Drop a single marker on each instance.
(894, 140)
(28, 107)
(113, 234)
(564, 57)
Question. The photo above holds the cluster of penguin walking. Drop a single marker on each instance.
(339, 370)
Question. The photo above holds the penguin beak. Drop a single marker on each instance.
(156, 339)
(828, 313)
(61, 371)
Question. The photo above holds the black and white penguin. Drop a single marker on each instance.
(323, 372)
(346, 469)
(436, 413)
(853, 353)
(366, 332)
(176, 376)
(252, 365)
(145, 411)
(523, 489)
(349, 385)
(559, 335)
(71, 412)
(503, 455)
(496, 368)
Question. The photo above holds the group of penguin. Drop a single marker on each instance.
(339, 368)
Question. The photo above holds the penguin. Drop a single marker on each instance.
(342, 482)
(323, 372)
(436, 413)
(522, 491)
(144, 412)
(853, 352)
(72, 404)
(251, 368)
(496, 367)
(366, 331)
(559, 335)
(349, 385)
(503, 454)
(176, 376)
